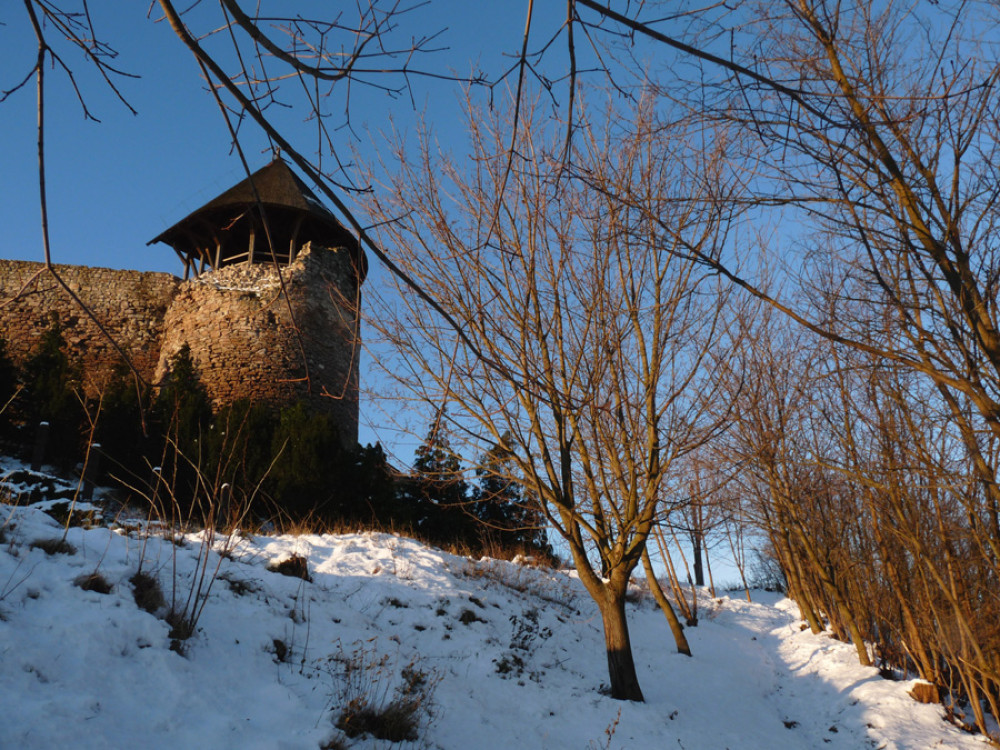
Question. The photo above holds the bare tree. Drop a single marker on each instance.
(858, 471)
(885, 157)
(868, 135)
(588, 333)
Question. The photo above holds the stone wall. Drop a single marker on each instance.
(248, 340)
(130, 304)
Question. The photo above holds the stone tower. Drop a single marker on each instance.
(271, 297)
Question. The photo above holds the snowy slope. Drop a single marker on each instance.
(517, 653)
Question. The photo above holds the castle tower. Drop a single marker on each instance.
(271, 298)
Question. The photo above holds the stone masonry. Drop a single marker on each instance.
(248, 339)
(130, 305)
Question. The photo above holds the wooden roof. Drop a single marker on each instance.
(216, 233)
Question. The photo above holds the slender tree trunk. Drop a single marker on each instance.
(806, 600)
(739, 557)
(675, 584)
(696, 546)
(840, 606)
(711, 578)
(692, 609)
(621, 666)
(792, 567)
(668, 611)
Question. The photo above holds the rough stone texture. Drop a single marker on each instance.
(246, 338)
(131, 305)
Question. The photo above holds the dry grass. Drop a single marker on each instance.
(57, 546)
(295, 566)
(147, 592)
(94, 582)
(523, 578)
(379, 702)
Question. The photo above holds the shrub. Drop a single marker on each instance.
(295, 566)
(379, 702)
(468, 617)
(182, 627)
(94, 582)
(147, 592)
(238, 586)
(54, 546)
(281, 650)
(525, 636)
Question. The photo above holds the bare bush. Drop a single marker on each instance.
(377, 697)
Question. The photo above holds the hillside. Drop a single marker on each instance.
(503, 655)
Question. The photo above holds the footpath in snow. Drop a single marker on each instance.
(514, 654)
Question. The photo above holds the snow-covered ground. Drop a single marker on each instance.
(514, 655)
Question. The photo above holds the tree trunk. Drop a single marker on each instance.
(668, 611)
(792, 568)
(844, 619)
(696, 544)
(675, 584)
(621, 667)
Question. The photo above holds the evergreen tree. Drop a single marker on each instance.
(50, 378)
(8, 385)
(500, 503)
(182, 406)
(182, 415)
(236, 454)
(309, 465)
(297, 457)
(120, 428)
(240, 441)
(368, 482)
(437, 493)
(51, 384)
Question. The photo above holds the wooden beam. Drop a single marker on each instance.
(293, 249)
(253, 232)
(184, 260)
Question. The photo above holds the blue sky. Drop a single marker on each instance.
(115, 184)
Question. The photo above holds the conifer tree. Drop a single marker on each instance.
(121, 429)
(8, 383)
(183, 414)
(508, 513)
(51, 384)
(438, 492)
(182, 404)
